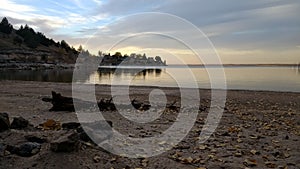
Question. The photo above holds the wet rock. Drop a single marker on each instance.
(70, 125)
(4, 122)
(27, 149)
(35, 139)
(66, 143)
(19, 123)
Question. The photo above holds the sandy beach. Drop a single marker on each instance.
(258, 129)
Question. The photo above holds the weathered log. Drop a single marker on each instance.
(60, 103)
(106, 105)
(139, 105)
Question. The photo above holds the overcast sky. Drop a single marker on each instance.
(257, 31)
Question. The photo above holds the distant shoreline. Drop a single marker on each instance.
(43, 66)
(235, 65)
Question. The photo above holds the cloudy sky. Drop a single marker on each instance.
(257, 31)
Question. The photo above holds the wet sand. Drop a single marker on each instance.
(258, 129)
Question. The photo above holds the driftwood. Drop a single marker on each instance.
(106, 105)
(140, 106)
(63, 103)
(60, 103)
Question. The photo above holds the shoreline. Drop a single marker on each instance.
(164, 87)
(35, 66)
(258, 129)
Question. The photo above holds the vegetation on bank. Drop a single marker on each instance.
(131, 60)
(26, 45)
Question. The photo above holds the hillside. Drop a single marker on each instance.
(25, 45)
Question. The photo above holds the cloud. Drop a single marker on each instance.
(236, 28)
(13, 6)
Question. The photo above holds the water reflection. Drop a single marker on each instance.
(250, 78)
(37, 75)
(109, 72)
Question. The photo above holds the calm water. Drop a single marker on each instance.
(249, 78)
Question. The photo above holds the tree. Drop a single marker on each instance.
(100, 53)
(158, 59)
(17, 40)
(118, 54)
(5, 26)
(144, 57)
(80, 48)
(64, 45)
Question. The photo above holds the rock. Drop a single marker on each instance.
(250, 163)
(19, 123)
(97, 132)
(50, 124)
(238, 154)
(97, 159)
(70, 125)
(67, 143)
(95, 135)
(270, 164)
(2, 149)
(4, 122)
(27, 149)
(35, 139)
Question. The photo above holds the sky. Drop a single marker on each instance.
(241, 32)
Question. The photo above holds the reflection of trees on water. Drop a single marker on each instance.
(38, 75)
(108, 72)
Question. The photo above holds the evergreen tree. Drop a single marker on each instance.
(5, 26)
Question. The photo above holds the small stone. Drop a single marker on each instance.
(250, 163)
(145, 162)
(270, 164)
(254, 152)
(4, 122)
(19, 123)
(188, 160)
(202, 147)
(282, 167)
(97, 159)
(238, 154)
(239, 140)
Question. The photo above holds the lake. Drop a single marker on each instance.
(269, 78)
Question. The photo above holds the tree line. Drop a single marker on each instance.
(27, 36)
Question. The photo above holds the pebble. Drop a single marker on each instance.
(250, 163)
(97, 159)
